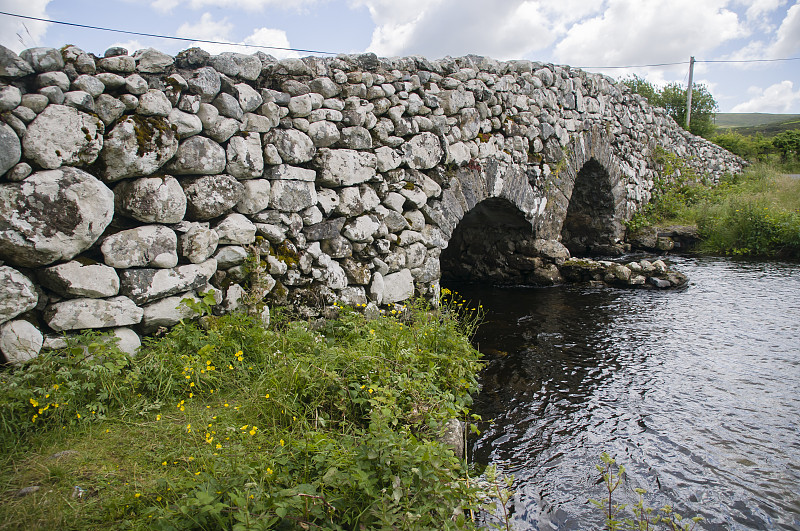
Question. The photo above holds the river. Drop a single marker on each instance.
(695, 391)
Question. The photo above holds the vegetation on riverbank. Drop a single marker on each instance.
(237, 425)
(756, 213)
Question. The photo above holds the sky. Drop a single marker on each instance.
(593, 34)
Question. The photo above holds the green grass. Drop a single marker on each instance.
(753, 214)
(234, 425)
(734, 120)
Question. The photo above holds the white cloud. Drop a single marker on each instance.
(273, 38)
(207, 29)
(18, 33)
(506, 30)
(210, 29)
(166, 6)
(649, 31)
(777, 98)
(787, 42)
(758, 10)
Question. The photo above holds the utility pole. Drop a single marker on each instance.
(689, 94)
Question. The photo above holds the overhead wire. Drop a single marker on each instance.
(261, 46)
(154, 35)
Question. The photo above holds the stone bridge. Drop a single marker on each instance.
(130, 182)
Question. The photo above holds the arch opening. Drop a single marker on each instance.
(492, 242)
(590, 227)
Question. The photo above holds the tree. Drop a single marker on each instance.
(672, 97)
(787, 142)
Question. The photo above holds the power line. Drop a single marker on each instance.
(637, 66)
(696, 61)
(748, 60)
(184, 39)
(205, 41)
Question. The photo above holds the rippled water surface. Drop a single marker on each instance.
(695, 391)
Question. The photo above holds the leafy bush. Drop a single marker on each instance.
(642, 517)
(234, 425)
(672, 97)
(753, 214)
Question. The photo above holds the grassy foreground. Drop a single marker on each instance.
(234, 425)
(753, 214)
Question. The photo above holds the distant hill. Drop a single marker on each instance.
(752, 123)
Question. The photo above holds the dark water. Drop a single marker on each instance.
(696, 392)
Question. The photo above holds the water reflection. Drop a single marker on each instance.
(695, 391)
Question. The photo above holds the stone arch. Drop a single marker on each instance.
(489, 231)
(588, 206)
(590, 225)
(485, 245)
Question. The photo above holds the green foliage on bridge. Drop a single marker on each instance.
(672, 97)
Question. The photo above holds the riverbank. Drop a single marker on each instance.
(238, 425)
(754, 214)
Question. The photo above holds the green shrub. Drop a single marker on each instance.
(234, 425)
(752, 214)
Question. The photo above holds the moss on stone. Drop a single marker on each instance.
(150, 132)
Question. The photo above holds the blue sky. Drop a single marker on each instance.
(586, 33)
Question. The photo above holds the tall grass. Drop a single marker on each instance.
(234, 425)
(755, 214)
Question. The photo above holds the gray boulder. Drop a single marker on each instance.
(43, 59)
(228, 106)
(150, 61)
(294, 147)
(74, 279)
(151, 199)
(10, 148)
(154, 103)
(138, 146)
(422, 152)
(198, 243)
(149, 245)
(211, 196)
(245, 156)
(249, 98)
(185, 124)
(344, 167)
(12, 65)
(145, 285)
(236, 229)
(237, 65)
(167, 312)
(205, 82)
(198, 155)
(80, 314)
(323, 133)
(63, 136)
(398, 287)
(255, 197)
(10, 98)
(292, 196)
(108, 108)
(20, 341)
(230, 256)
(52, 215)
(18, 294)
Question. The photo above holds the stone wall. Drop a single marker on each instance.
(130, 182)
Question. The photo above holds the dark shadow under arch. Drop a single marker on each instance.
(591, 225)
(490, 243)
